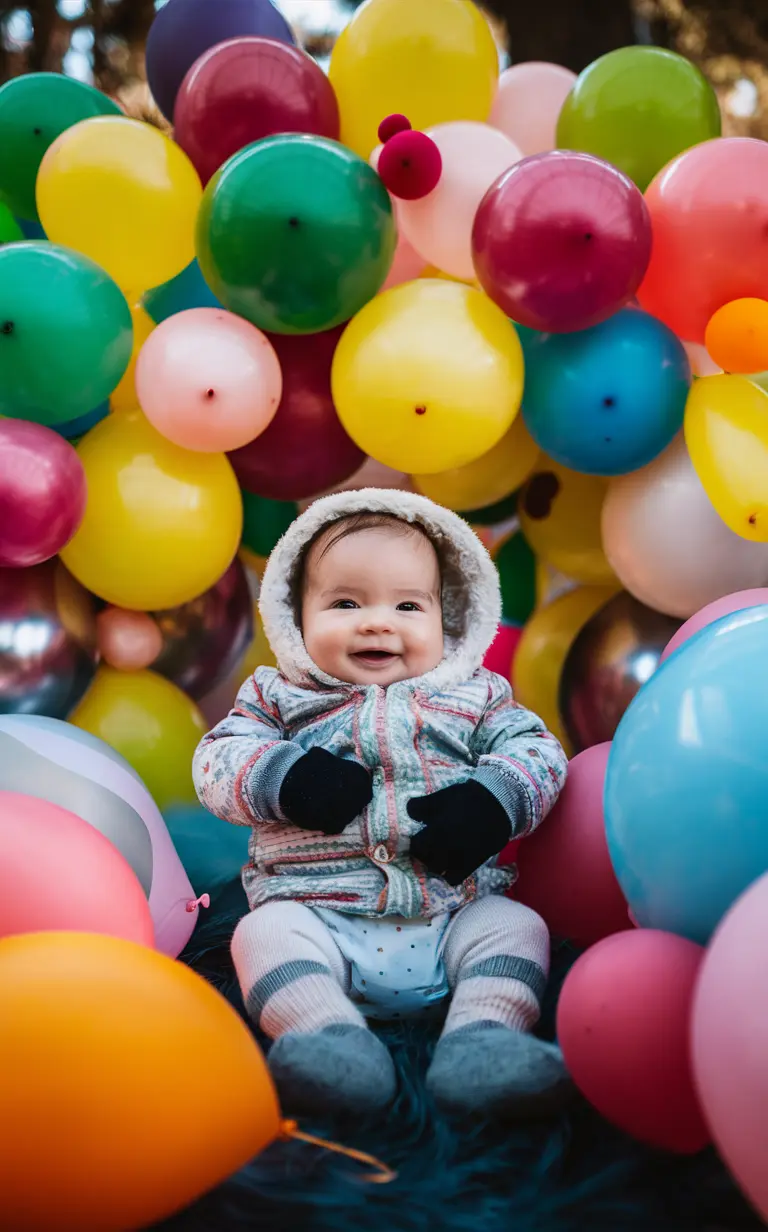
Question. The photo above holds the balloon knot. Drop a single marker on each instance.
(203, 901)
(6, 327)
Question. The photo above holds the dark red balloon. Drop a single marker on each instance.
(42, 493)
(410, 165)
(391, 125)
(561, 241)
(305, 449)
(245, 89)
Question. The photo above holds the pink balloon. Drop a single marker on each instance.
(528, 102)
(730, 1030)
(406, 264)
(501, 653)
(59, 872)
(439, 226)
(128, 641)
(623, 1023)
(713, 611)
(42, 493)
(208, 380)
(565, 869)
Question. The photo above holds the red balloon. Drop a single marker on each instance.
(304, 450)
(248, 88)
(42, 493)
(565, 871)
(624, 1025)
(561, 241)
(410, 165)
(391, 125)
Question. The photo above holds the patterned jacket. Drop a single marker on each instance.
(416, 736)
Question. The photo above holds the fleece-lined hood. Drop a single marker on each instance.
(471, 594)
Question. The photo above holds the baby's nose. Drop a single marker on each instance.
(377, 620)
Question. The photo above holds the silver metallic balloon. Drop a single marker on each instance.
(48, 652)
(616, 652)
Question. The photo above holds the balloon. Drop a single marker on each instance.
(73, 429)
(204, 639)
(560, 517)
(34, 110)
(517, 575)
(737, 336)
(638, 107)
(613, 656)
(244, 89)
(105, 1041)
(42, 493)
(57, 762)
(561, 241)
(410, 165)
(700, 360)
(187, 290)
(439, 226)
(708, 222)
(623, 1025)
(208, 381)
(265, 521)
(124, 194)
(490, 516)
(124, 396)
(741, 601)
(540, 656)
(184, 29)
(407, 263)
(61, 873)
(47, 640)
(500, 655)
(667, 545)
(151, 723)
(161, 525)
(10, 231)
(212, 851)
(455, 388)
(65, 336)
(490, 478)
(434, 61)
(726, 431)
(687, 777)
(528, 101)
(565, 872)
(128, 641)
(734, 1095)
(606, 400)
(304, 448)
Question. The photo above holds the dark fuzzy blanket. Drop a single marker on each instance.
(569, 1175)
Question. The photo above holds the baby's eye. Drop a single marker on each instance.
(344, 605)
(408, 607)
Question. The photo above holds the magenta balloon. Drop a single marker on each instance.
(42, 493)
(561, 241)
(304, 450)
(739, 602)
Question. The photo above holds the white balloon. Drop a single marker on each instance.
(667, 545)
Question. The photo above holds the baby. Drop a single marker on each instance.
(382, 770)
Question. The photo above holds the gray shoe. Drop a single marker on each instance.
(343, 1068)
(487, 1068)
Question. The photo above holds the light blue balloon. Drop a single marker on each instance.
(187, 290)
(78, 427)
(686, 791)
(606, 400)
(212, 851)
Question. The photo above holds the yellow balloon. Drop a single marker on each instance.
(161, 525)
(256, 564)
(431, 60)
(543, 647)
(123, 396)
(489, 478)
(726, 431)
(151, 723)
(124, 194)
(428, 376)
(560, 517)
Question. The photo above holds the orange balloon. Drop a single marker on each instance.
(130, 1086)
(737, 336)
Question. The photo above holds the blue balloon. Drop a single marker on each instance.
(212, 851)
(187, 290)
(31, 230)
(78, 427)
(686, 790)
(606, 400)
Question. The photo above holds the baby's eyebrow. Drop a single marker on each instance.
(428, 596)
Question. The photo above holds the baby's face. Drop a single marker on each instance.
(371, 611)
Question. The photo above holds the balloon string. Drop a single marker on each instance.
(382, 1176)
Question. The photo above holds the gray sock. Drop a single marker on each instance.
(343, 1068)
(489, 1068)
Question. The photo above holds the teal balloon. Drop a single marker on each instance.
(65, 333)
(265, 521)
(516, 564)
(30, 229)
(295, 233)
(492, 515)
(212, 851)
(74, 429)
(187, 290)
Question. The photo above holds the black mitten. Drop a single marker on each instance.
(464, 825)
(324, 792)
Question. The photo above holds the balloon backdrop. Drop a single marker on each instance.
(212, 851)
(726, 431)
(517, 577)
(686, 781)
(455, 388)
(128, 641)
(247, 88)
(124, 396)
(740, 602)
(528, 102)
(42, 493)
(613, 656)
(10, 230)
(187, 290)
(500, 655)
(287, 260)
(120, 1154)
(560, 517)
(737, 336)
(489, 478)
(73, 429)
(265, 521)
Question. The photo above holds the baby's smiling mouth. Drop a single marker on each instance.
(374, 658)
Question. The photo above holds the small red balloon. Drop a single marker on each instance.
(245, 89)
(42, 493)
(410, 165)
(391, 125)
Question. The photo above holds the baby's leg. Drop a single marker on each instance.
(497, 959)
(294, 982)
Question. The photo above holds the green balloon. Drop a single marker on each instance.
(34, 111)
(265, 521)
(10, 231)
(516, 564)
(492, 515)
(638, 108)
(295, 233)
(65, 333)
